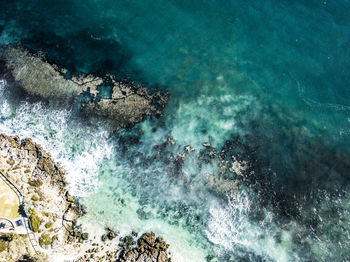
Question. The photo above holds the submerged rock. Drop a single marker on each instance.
(207, 154)
(129, 102)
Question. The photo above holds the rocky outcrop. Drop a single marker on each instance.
(149, 249)
(53, 214)
(42, 183)
(125, 104)
(128, 104)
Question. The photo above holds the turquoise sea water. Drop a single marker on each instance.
(273, 73)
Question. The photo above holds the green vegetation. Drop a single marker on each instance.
(45, 214)
(35, 198)
(48, 224)
(35, 220)
(45, 240)
(16, 167)
(10, 162)
(3, 245)
(35, 182)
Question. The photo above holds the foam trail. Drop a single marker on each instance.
(230, 229)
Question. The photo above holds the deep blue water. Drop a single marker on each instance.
(273, 73)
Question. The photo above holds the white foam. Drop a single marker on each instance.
(3, 84)
(192, 117)
(230, 229)
(78, 148)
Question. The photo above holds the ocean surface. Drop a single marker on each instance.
(273, 76)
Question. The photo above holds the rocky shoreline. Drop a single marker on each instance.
(123, 103)
(53, 215)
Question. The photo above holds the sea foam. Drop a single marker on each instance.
(231, 229)
(79, 148)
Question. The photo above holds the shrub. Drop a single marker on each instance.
(45, 240)
(46, 214)
(3, 245)
(40, 194)
(35, 221)
(35, 198)
(10, 162)
(35, 182)
(48, 224)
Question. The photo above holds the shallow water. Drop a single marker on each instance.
(273, 73)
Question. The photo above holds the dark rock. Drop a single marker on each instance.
(112, 235)
(207, 154)
(85, 236)
(150, 249)
(149, 238)
(129, 103)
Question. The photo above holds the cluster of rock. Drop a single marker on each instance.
(150, 248)
(46, 201)
(53, 213)
(235, 162)
(146, 248)
(126, 104)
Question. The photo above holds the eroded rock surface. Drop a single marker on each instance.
(149, 249)
(127, 105)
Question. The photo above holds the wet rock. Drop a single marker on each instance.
(220, 185)
(179, 160)
(111, 235)
(188, 149)
(207, 154)
(171, 140)
(85, 236)
(149, 248)
(129, 104)
(149, 238)
(104, 238)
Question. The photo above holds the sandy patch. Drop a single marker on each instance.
(9, 202)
